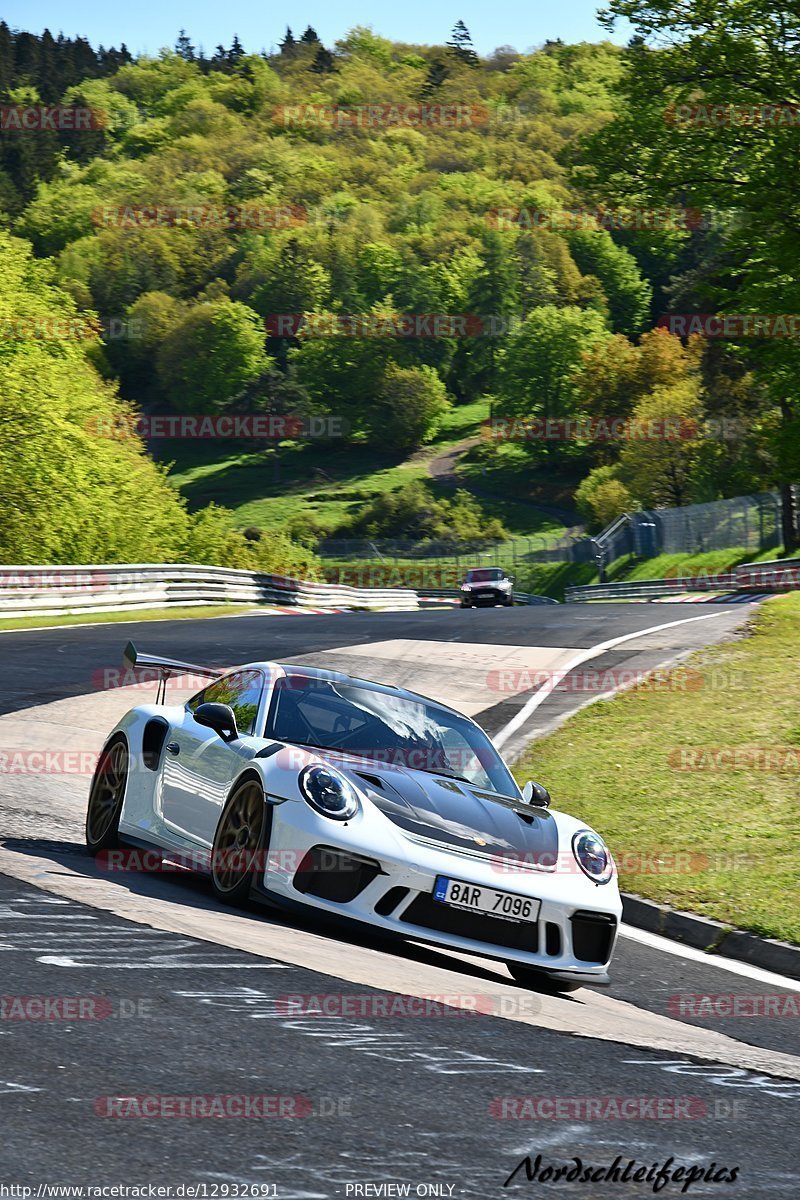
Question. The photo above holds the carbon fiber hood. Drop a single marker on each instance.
(457, 814)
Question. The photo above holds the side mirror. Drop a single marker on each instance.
(219, 717)
(536, 795)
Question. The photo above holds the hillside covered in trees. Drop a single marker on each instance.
(383, 235)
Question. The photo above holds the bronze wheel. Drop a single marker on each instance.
(237, 843)
(106, 796)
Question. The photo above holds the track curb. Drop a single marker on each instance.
(714, 937)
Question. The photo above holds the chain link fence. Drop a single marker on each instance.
(751, 522)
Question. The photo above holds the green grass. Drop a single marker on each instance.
(268, 486)
(669, 566)
(610, 766)
(145, 614)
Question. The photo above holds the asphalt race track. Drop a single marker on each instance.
(140, 1019)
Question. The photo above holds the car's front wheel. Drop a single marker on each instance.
(238, 843)
(106, 796)
(540, 981)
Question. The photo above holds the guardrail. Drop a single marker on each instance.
(519, 597)
(774, 575)
(646, 588)
(57, 591)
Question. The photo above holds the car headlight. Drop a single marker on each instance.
(465, 587)
(592, 856)
(329, 792)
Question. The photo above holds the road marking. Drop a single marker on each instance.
(665, 946)
(538, 698)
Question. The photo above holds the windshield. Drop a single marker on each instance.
(484, 575)
(374, 723)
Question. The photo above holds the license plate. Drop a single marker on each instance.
(485, 593)
(485, 900)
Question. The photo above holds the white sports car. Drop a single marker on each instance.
(359, 800)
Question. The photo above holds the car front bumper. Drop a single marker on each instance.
(388, 882)
(486, 596)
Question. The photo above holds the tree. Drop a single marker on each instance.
(323, 63)
(537, 376)
(76, 482)
(679, 138)
(659, 463)
(461, 44)
(210, 355)
(492, 297)
(602, 497)
(411, 404)
(615, 374)
(236, 51)
(437, 75)
(629, 296)
(184, 48)
(288, 46)
(309, 36)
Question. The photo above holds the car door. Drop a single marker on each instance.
(199, 767)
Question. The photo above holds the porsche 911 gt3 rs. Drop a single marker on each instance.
(361, 801)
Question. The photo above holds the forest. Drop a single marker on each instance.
(396, 248)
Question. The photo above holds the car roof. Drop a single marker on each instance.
(298, 669)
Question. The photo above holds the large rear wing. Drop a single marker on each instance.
(166, 666)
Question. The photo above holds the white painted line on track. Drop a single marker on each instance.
(665, 946)
(538, 698)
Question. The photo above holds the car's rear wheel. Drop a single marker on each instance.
(106, 796)
(238, 843)
(540, 981)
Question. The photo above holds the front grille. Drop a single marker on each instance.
(390, 900)
(552, 939)
(592, 936)
(476, 927)
(331, 874)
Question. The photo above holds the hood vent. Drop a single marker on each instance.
(373, 780)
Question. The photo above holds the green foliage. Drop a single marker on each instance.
(537, 373)
(659, 464)
(627, 294)
(602, 497)
(210, 355)
(411, 404)
(76, 482)
(412, 512)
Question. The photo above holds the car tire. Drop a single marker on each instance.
(106, 796)
(465, 605)
(540, 981)
(239, 842)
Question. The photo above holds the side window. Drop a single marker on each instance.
(242, 691)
